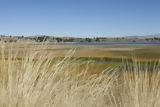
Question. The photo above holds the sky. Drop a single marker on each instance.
(80, 18)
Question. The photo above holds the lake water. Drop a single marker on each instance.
(103, 43)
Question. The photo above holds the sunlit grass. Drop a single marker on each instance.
(29, 78)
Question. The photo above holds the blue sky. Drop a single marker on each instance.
(80, 18)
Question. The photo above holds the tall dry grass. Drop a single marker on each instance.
(31, 79)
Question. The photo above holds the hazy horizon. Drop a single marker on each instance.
(80, 18)
(83, 36)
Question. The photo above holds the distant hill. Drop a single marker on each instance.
(134, 37)
(55, 39)
(152, 36)
(143, 37)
